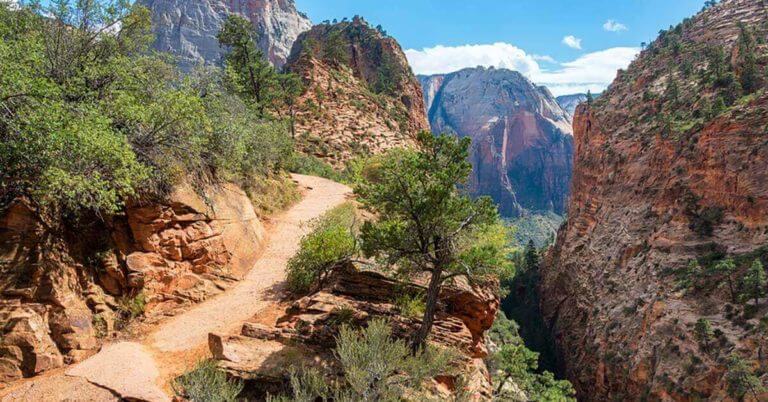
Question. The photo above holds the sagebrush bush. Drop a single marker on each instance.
(330, 242)
(376, 367)
(207, 383)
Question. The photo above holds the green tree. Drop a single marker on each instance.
(750, 73)
(727, 269)
(427, 225)
(531, 256)
(335, 47)
(514, 362)
(755, 282)
(703, 332)
(742, 379)
(247, 70)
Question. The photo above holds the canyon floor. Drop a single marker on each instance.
(142, 369)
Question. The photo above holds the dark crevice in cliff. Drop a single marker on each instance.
(522, 305)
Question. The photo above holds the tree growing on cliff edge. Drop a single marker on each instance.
(426, 226)
(755, 283)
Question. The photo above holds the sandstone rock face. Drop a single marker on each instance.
(569, 103)
(61, 284)
(188, 28)
(354, 297)
(645, 203)
(367, 102)
(522, 142)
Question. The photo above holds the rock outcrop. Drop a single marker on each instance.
(668, 171)
(522, 142)
(361, 97)
(353, 297)
(65, 285)
(188, 28)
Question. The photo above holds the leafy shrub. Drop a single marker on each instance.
(331, 241)
(312, 166)
(86, 124)
(207, 383)
(131, 307)
(411, 306)
(376, 367)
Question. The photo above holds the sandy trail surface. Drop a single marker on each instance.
(142, 370)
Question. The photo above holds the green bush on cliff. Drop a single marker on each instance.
(375, 367)
(207, 383)
(330, 243)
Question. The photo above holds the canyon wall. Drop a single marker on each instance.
(670, 180)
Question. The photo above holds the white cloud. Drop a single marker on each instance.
(546, 58)
(613, 26)
(572, 42)
(444, 59)
(592, 71)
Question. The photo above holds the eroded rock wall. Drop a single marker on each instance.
(64, 287)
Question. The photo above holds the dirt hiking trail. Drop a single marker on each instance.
(142, 370)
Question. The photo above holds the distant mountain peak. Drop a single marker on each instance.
(522, 142)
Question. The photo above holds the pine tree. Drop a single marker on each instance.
(727, 268)
(755, 282)
(750, 75)
(248, 72)
(531, 256)
(703, 332)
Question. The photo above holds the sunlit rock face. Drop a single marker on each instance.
(188, 28)
(522, 139)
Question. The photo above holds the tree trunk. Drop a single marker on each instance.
(433, 292)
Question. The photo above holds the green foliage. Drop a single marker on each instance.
(750, 73)
(335, 47)
(312, 166)
(330, 243)
(90, 117)
(755, 282)
(249, 74)
(376, 367)
(426, 225)
(513, 362)
(742, 379)
(541, 228)
(727, 268)
(703, 332)
(691, 276)
(131, 307)
(207, 383)
(411, 306)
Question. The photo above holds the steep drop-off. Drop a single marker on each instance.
(360, 98)
(671, 170)
(522, 142)
(188, 28)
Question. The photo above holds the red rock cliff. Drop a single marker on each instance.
(361, 97)
(662, 178)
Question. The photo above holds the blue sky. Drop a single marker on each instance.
(568, 45)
